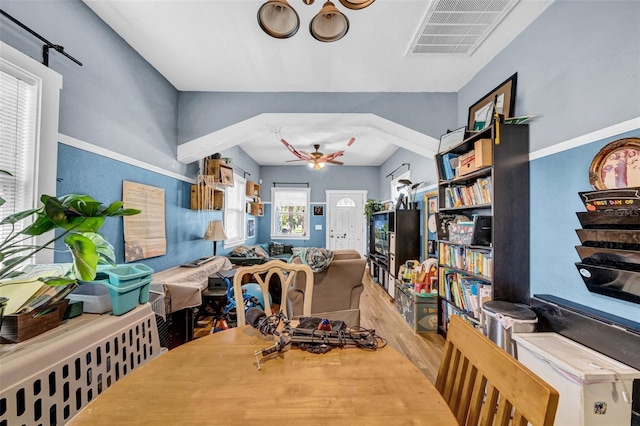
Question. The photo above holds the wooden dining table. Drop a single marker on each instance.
(214, 380)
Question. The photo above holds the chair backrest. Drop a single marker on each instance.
(484, 385)
(262, 274)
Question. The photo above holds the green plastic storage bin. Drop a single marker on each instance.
(128, 274)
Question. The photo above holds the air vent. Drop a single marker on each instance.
(458, 26)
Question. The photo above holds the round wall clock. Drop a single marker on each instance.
(617, 165)
(431, 223)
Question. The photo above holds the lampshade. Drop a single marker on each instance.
(278, 19)
(356, 4)
(215, 231)
(315, 165)
(329, 24)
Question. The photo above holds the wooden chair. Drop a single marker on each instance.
(262, 273)
(483, 385)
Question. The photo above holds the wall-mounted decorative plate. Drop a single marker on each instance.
(617, 165)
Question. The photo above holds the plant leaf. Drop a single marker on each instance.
(103, 248)
(58, 281)
(18, 216)
(85, 256)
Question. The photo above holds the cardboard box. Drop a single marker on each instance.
(483, 153)
(466, 163)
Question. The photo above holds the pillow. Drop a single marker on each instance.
(276, 248)
(243, 251)
(260, 252)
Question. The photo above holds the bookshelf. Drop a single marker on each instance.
(483, 222)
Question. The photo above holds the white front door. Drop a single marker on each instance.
(346, 221)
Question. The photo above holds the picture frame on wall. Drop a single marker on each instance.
(502, 99)
(251, 227)
(226, 176)
(318, 210)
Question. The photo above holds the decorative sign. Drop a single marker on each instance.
(144, 233)
(627, 198)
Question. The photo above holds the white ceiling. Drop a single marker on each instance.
(217, 45)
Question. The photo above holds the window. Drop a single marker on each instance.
(234, 211)
(290, 213)
(31, 95)
(18, 143)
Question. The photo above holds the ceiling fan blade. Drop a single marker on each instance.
(338, 163)
(293, 150)
(293, 161)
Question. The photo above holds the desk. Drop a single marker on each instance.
(184, 285)
(214, 380)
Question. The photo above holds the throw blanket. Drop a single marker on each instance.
(317, 258)
(246, 251)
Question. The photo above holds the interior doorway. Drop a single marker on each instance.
(346, 228)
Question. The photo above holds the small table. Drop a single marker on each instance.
(183, 286)
(214, 380)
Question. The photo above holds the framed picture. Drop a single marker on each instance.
(617, 165)
(318, 210)
(226, 176)
(430, 222)
(502, 98)
(451, 139)
(251, 227)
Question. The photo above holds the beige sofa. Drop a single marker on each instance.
(336, 290)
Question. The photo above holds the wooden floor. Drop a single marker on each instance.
(378, 312)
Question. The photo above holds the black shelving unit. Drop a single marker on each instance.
(403, 244)
(508, 176)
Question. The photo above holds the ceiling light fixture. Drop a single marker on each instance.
(278, 19)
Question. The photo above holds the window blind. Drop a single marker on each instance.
(18, 142)
(234, 212)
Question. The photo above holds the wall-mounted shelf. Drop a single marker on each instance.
(206, 197)
(253, 189)
(255, 208)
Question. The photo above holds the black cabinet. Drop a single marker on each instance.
(493, 186)
(394, 238)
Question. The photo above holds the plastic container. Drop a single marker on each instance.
(124, 298)
(502, 319)
(95, 298)
(128, 274)
(594, 389)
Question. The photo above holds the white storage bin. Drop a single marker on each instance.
(94, 297)
(594, 389)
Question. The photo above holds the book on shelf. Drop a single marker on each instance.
(475, 194)
(449, 164)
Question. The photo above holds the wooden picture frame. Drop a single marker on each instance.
(617, 165)
(226, 176)
(480, 113)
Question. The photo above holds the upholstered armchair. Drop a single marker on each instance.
(336, 290)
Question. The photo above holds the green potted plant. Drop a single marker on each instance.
(411, 189)
(371, 207)
(78, 219)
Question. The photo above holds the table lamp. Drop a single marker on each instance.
(215, 233)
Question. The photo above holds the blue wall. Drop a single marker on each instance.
(81, 172)
(116, 100)
(553, 225)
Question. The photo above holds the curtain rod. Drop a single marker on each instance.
(48, 45)
(397, 168)
(291, 183)
(245, 173)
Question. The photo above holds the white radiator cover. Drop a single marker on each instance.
(46, 380)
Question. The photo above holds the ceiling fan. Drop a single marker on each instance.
(316, 159)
